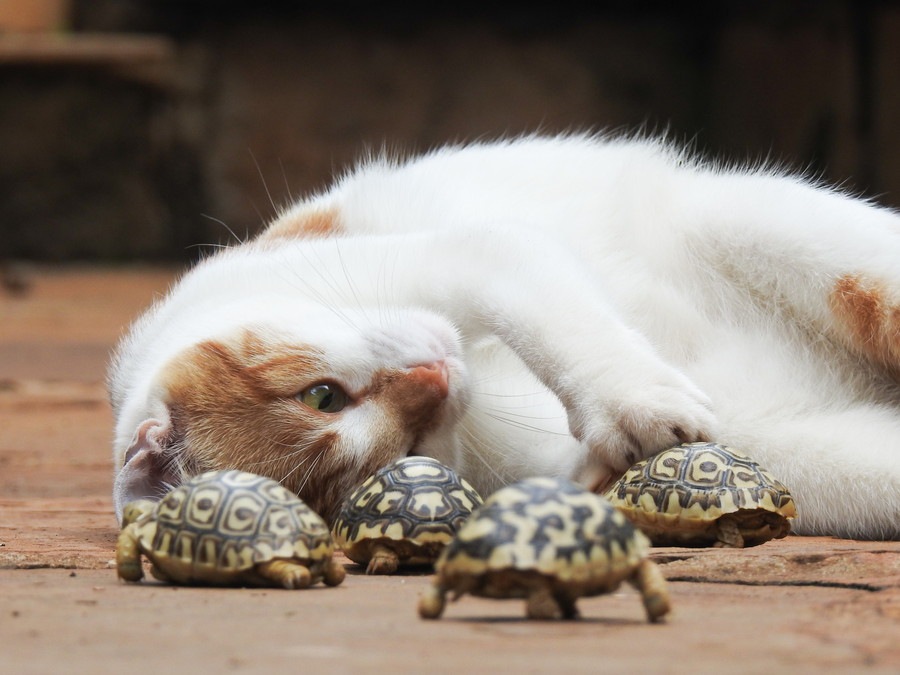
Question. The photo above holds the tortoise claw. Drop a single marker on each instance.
(383, 561)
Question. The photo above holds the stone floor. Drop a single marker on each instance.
(803, 605)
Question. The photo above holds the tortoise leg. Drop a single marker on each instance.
(567, 606)
(383, 561)
(128, 555)
(541, 604)
(334, 573)
(431, 604)
(728, 534)
(652, 584)
(285, 573)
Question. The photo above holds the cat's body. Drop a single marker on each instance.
(479, 303)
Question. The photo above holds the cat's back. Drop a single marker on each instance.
(527, 180)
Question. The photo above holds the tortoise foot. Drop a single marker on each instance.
(334, 573)
(728, 534)
(542, 605)
(652, 585)
(130, 570)
(128, 556)
(383, 561)
(285, 573)
(431, 604)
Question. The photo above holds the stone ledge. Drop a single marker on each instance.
(148, 58)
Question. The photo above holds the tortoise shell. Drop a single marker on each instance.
(228, 527)
(702, 494)
(549, 541)
(403, 514)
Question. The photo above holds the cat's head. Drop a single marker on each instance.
(245, 366)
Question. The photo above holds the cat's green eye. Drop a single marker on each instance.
(329, 398)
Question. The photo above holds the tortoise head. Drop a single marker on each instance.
(136, 509)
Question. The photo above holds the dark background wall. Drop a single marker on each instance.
(130, 134)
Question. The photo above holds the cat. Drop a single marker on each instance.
(557, 305)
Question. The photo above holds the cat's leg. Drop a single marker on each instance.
(621, 398)
(824, 261)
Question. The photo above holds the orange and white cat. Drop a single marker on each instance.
(545, 305)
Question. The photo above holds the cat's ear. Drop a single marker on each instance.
(148, 470)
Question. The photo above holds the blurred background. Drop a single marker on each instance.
(131, 130)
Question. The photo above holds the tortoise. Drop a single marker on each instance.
(549, 541)
(704, 494)
(405, 514)
(228, 528)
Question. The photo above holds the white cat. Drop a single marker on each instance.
(559, 306)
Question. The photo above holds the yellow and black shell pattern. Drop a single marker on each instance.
(223, 523)
(408, 510)
(675, 494)
(547, 526)
(549, 542)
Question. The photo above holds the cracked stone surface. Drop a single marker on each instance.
(799, 604)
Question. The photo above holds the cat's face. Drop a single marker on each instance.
(317, 397)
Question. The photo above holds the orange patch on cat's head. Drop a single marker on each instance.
(308, 223)
(232, 406)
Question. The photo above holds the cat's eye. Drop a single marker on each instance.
(329, 398)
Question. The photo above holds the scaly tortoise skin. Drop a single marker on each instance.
(403, 514)
(550, 542)
(704, 494)
(228, 528)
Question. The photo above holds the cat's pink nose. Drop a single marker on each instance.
(432, 375)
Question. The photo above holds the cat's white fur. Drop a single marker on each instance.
(588, 302)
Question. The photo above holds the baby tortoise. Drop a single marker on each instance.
(550, 542)
(404, 514)
(228, 528)
(704, 494)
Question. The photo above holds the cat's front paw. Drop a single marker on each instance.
(642, 421)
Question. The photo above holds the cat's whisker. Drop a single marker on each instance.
(350, 285)
(494, 394)
(521, 425)
(287, 186)
(326, 302)
(186, 248)
(272, 461)
(310, 471)
(474, 450)
(505, 402)
(227, 228)
(507, 411)
(386, 309)
(298, 450)
(265, 185)
(296, 467)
